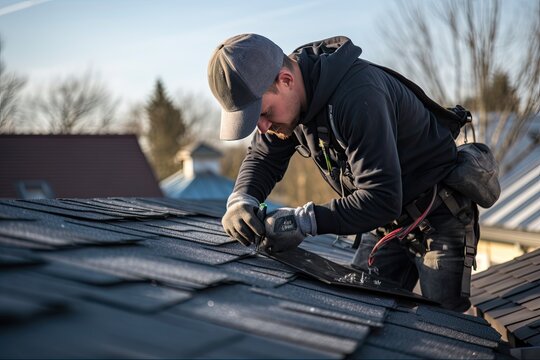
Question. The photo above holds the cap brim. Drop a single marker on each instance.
(236, 125)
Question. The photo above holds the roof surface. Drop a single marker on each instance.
(126, 277)
(76, 166)
(519, 204)
(518, 207)
(508, 295)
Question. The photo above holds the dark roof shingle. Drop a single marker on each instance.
(161, 279)
(508, 295)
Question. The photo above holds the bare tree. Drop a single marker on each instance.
(457, 48)
(232, 160)
(76, 104)
(201, 116)
(135, 121)
(527, 84)
(10, 87)
(301, 183)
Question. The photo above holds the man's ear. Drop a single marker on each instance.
(286, 77)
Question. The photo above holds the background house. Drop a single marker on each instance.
(199, 177)
(75, 166)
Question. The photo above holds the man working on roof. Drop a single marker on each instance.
(372, 138)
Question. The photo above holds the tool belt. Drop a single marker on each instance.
(415, 215)
(467, 213)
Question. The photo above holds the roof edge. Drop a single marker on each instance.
(497, 234)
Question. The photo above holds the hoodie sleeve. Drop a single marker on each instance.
(367, 122)
(265, 164)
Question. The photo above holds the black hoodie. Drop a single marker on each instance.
(395, 148)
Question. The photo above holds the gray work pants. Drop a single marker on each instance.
(439, 269)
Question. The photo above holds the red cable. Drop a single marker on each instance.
(396, 233)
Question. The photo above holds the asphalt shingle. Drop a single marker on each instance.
(238, 307)
(126, 277)
(363, 313)
(418, 343)
(509, 296)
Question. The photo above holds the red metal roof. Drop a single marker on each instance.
(77, 166)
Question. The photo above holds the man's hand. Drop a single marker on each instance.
(240, 221)
(286, 228)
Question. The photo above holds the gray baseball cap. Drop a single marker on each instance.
(240, 71)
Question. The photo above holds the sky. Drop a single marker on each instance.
(130, 43)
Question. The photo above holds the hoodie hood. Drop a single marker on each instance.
(323, 64)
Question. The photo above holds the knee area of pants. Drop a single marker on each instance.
(439, 260)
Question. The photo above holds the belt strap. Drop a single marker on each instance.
(413, 211)
(468, 217)
(469, 260)
(462, 213)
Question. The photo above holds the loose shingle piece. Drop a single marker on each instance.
(508, 295)
(159, 278)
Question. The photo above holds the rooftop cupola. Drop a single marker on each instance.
(199, 158)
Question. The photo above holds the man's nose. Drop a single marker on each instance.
(263, 125)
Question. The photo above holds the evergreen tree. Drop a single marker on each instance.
(499, 95)
(167, 130)
(502, 96)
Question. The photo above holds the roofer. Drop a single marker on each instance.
(373, 139)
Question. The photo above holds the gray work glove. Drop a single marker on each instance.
(240, 221)
(286, 228)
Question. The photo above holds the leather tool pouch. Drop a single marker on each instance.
(476, 175)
